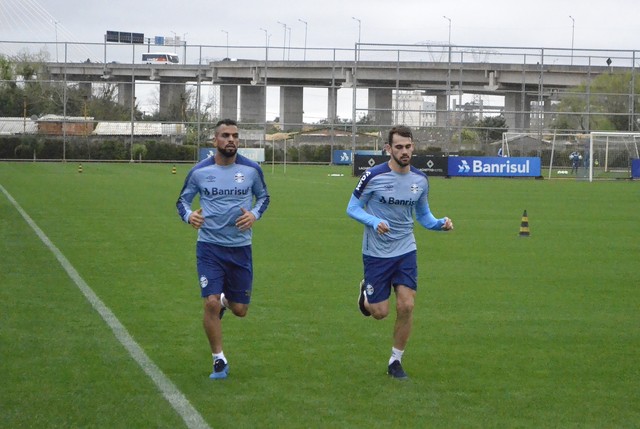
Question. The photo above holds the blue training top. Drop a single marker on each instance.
(385, 195)
(223, 190)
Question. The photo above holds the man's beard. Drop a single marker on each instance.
(228, 152)
(400, 162)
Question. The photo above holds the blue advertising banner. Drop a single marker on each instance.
(206, 152)
(254, 154)
(431, 165)
(494, 166)
(635, 168)
(341, 157)
(344, 156)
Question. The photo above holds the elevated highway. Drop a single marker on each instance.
(518, 83)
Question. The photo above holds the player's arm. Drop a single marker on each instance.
(355, 210)
(428, 220)
(261, 195)
(187, 194)
(259, 189)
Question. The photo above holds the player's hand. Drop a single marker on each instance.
(196, 219)
(246, 220)
(383, 228)
(448, 224)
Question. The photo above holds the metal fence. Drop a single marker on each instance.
(533, 88)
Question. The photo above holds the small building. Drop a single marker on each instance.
(18, 126)
(175, 132)
(57, 125)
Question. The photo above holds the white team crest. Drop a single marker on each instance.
(239, 177)
(415, 188)
(203, 282)
(369, 289)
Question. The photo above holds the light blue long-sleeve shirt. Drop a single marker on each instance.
(224, 190)
(383, 195)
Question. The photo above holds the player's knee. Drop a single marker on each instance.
(240, 310)
(212, 304)
(405, 306)
(378, 312)
(379, 315)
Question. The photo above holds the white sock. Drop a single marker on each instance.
(223, 300)
(217, 356)
(395, 355)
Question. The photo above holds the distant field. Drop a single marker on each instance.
(509, 332)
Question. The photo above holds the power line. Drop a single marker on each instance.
(30, 18)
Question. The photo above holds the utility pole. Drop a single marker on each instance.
(359, 34)
(227, 33)
(305, 38)
(284, 43)
(449, 84)
(573, 30)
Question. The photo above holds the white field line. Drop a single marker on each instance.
(176, 399)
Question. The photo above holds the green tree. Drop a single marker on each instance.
(467, 136)
(139, 151)
(103, 105)
(491, 128)
(602, 105)
(25, 89)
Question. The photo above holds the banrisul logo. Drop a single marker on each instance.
(463, 167)
(495, 166)
(480, 166)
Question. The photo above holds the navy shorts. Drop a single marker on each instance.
(225, 269)
(381, 274)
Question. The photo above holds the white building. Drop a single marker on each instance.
(413, 109)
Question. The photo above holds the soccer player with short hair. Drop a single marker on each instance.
(233, 195)
(385, 200)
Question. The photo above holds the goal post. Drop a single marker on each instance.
(610, 154)
(553, 148)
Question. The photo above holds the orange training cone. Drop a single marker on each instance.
(524, 225)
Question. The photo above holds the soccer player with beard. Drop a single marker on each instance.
(233, 195)
(385, 200)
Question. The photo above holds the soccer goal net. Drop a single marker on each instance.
(598, 155)
(610, 154)
(554, 149)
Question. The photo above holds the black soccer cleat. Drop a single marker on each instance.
(220, 370)
(363, 309)
(395, 370)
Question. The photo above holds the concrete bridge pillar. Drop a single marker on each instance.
(253, 104)
(125, 94)
(229, 102)
(381, 106)
(442, 111)
(332, 104)
(517, 114)
(291, 107)
(172, 101)
(85, 89)
(547, 113)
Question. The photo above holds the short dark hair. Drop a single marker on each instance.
(226, 122)
(401, 130)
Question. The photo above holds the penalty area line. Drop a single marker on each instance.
(175, 397)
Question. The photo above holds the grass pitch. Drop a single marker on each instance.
(540, 331)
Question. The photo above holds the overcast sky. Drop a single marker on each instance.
(554, 24)
(609, 24)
